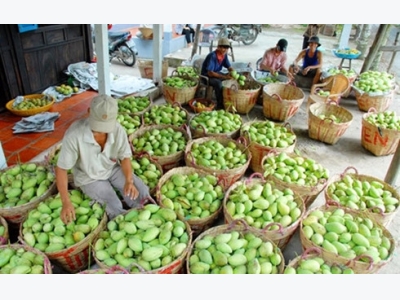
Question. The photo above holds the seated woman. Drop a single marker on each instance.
(312, 61)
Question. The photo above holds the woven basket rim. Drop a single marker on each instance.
(242, 228)
(47, 268)
(358, 266)
(175, 265)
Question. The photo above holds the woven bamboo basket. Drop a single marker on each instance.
(281, 101)
(312, 253)
(152, 161)
(280, 236)
(327, 130)
(16, 214)
(336, 85)
(365, 101)
(225, 177)
(197, 225)
(379, 141)
(167, 162)
(242, 228)
(47, 268)
(162, 115)
(32, 111)
(307, 192)
(76, 257)
(240, 99)
(5, 237)
(136, 98)
(359, 266)
(385, 218)
(174, 267)
(202, 131)
(181, 95)
(207, 105)
(146, 68)
(258, 151)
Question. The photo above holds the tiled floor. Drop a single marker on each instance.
(23, 147)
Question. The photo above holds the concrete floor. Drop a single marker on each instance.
(348, 151)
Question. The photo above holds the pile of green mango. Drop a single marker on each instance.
(19, 260)
(167, 114)
(179, 82)
(144, 239)
(23, 183)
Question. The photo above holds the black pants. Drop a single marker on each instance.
(189, 34)
(216, 83)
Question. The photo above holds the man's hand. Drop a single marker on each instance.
(67, 214)
(130, 190)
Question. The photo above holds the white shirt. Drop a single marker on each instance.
(81, 153)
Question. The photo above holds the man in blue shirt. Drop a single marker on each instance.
(212, 66)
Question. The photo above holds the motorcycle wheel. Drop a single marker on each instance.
(250, 39)
(220, 32)
(127, 56)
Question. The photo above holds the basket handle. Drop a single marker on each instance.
(280, 230)
(381, 212)
(147, 200)
(118, 268)
(248, 180)
(189, 158)
(277, 97)
(242, 140)
(187, 129)
(141, 269)
(238, 222)
(371, 260)
(288, 125)
(311, 250)
(347, 170)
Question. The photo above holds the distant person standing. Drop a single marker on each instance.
(312, 30)
(188, 31)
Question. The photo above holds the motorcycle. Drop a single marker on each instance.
(245, 33)
(121, 46)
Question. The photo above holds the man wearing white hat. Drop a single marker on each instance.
(98, 152)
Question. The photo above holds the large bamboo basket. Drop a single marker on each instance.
(16, 214)
(201, 131)
(197, 225)
(236, 226)
(312, 253)
(258, 151)
(47, 268)
(76, 257)
(307, 192)
(365, 101)
(174, 267)
(379, 141)
(359, 267)
(281, 101)
(327, 130)
(385, 218)
(167, 162)
(226, 177)
(240, 99)
(280, 236)
(181, 95)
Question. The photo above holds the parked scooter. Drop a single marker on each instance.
(245, 33)
(121, 46)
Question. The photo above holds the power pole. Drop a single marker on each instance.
(373, 51)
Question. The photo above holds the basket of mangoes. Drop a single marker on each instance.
(29, 105)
